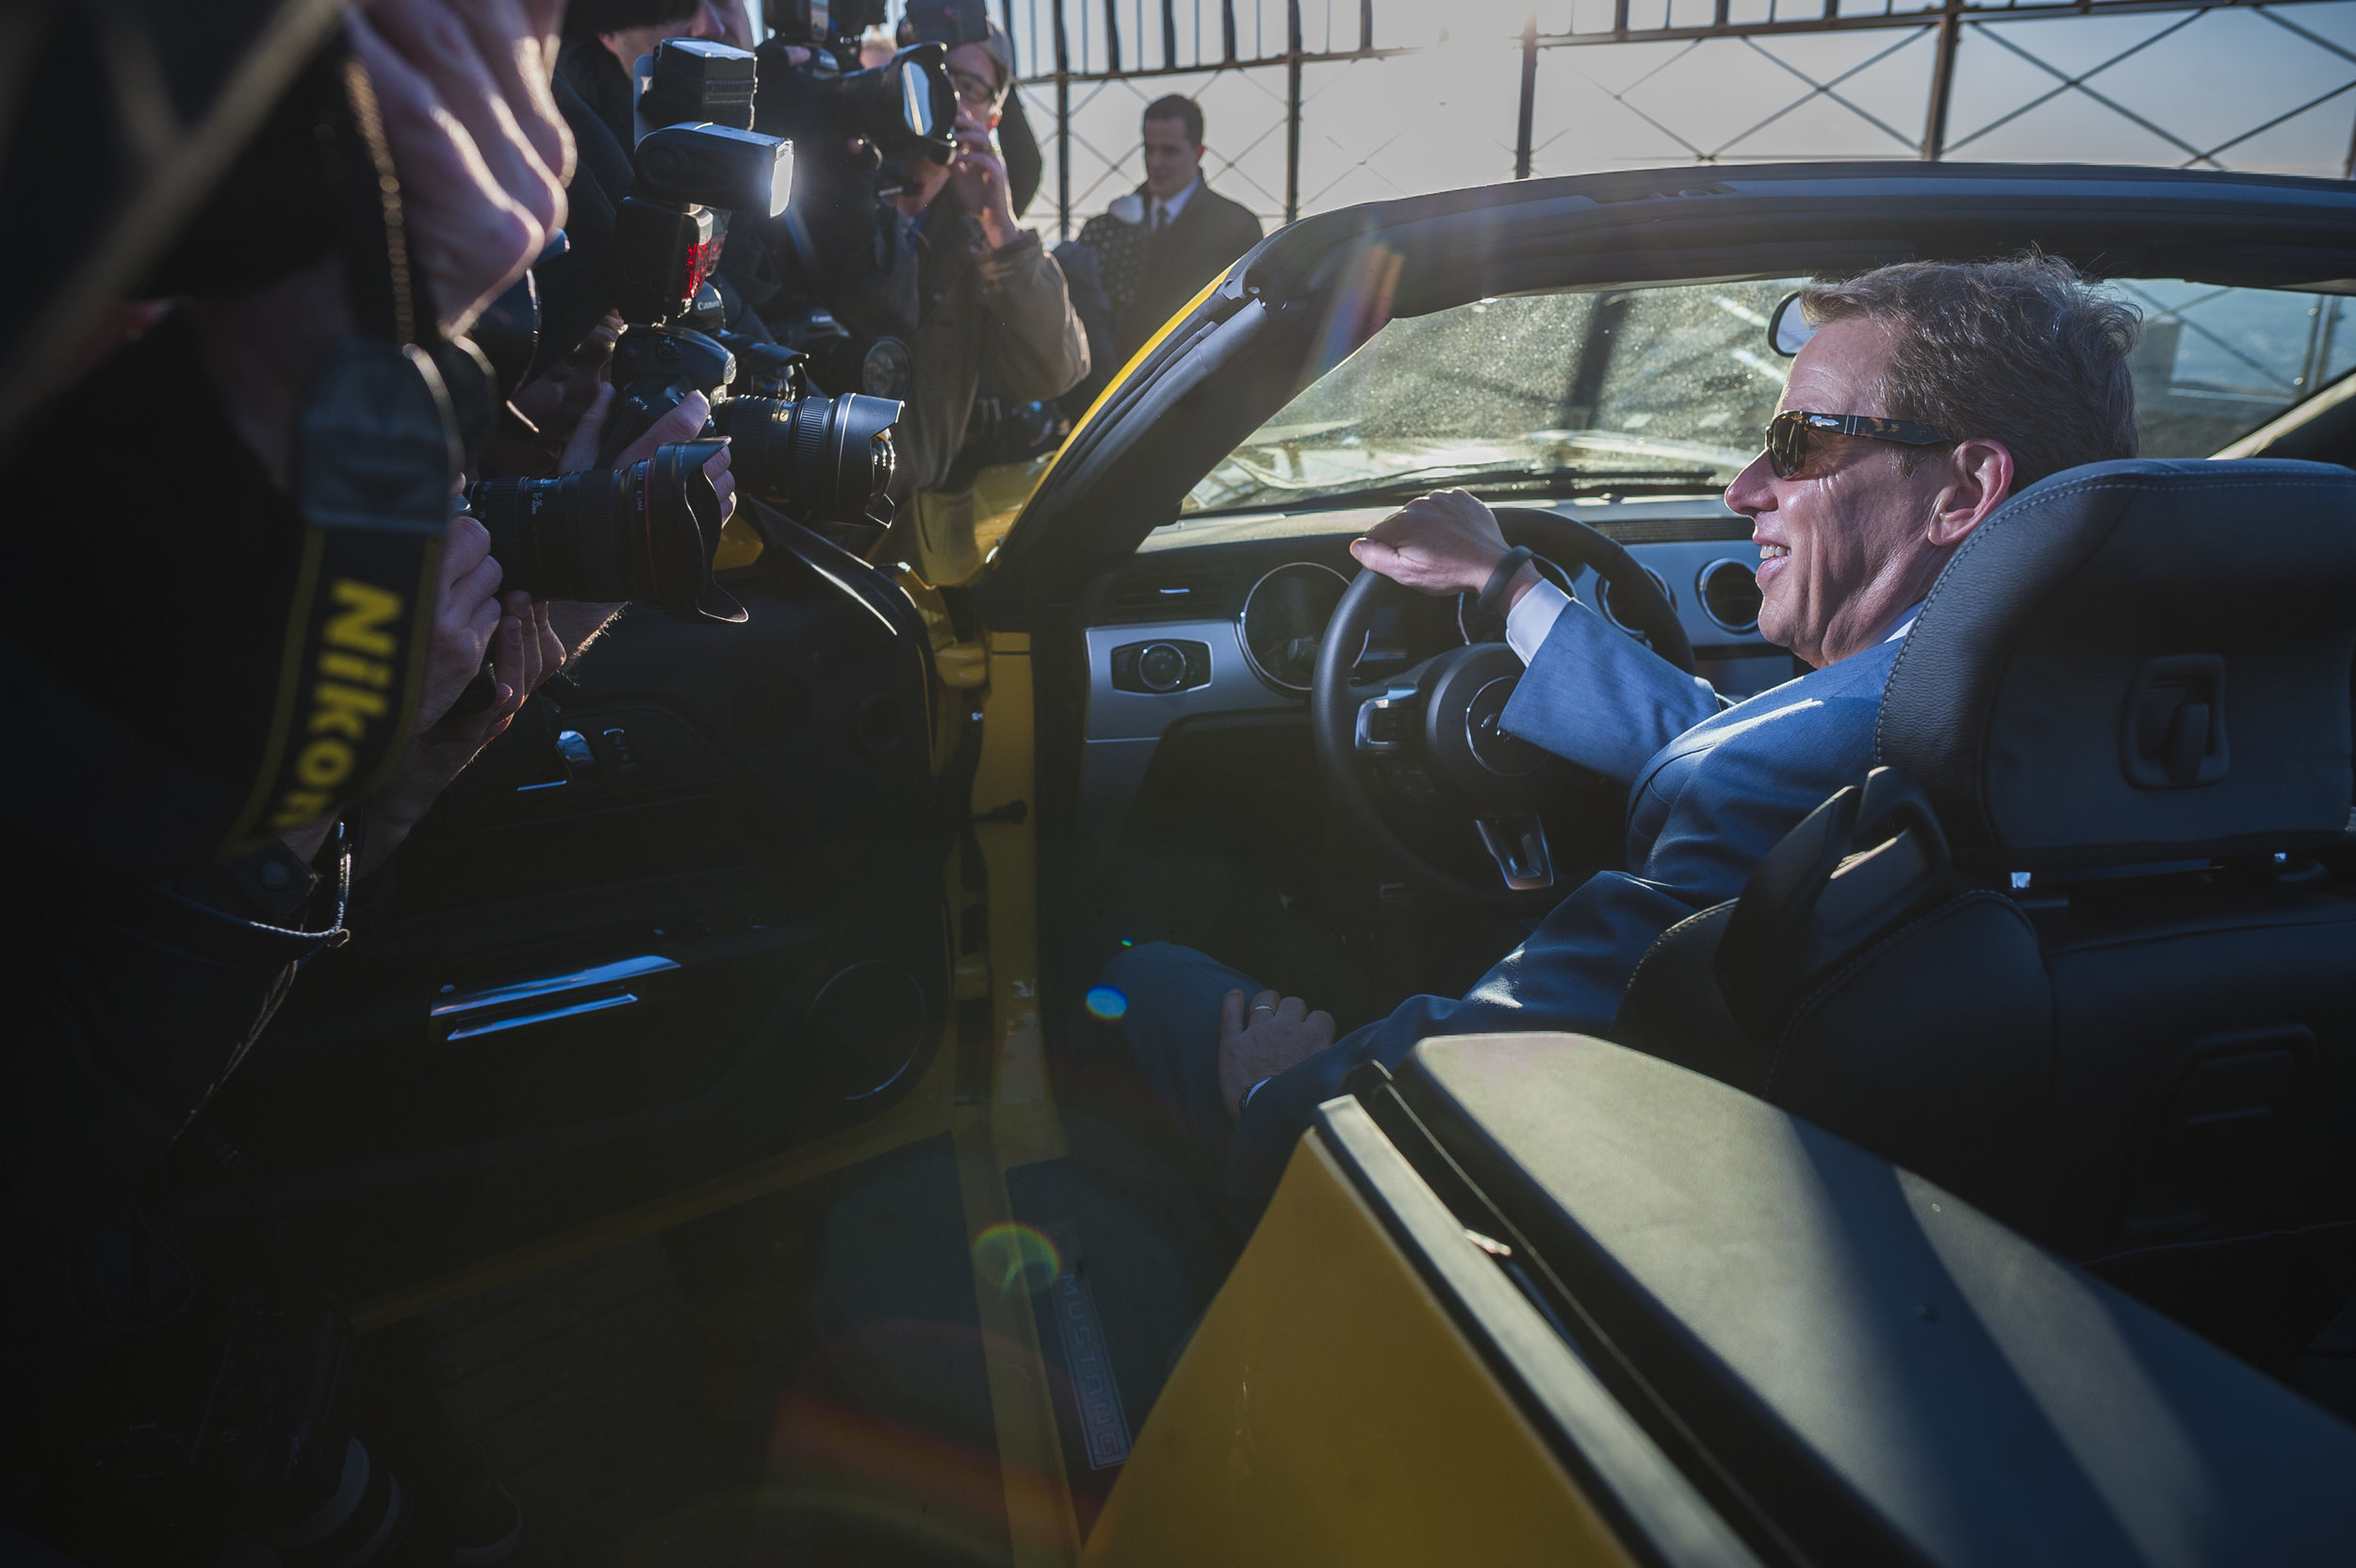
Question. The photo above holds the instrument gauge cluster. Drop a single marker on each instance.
(1283, 620)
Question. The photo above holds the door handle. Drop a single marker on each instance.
(489, 1011)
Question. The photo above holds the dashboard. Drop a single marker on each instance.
(1220, 617)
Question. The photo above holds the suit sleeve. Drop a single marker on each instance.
(1704, 818)
(1245, 227)
(1567, 976)
(1035, 347)
(1595, 695)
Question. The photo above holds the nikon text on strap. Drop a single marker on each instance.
(376, 463)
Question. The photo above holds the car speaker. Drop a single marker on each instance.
(876, 725)
(866, 1027)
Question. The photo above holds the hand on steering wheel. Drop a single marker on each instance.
(1445, 542)
(1435, 730)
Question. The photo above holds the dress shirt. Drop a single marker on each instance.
(1528, 623)
(1160, 213)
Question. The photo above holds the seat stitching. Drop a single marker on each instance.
(1849, 968)
(1658, 943)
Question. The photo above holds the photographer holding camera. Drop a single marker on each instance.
(292, 649)
(911, 277)
(992, 302)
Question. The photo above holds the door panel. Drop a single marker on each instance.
(686, 914)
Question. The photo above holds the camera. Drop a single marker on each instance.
(906, 104)
(656, 367)
(687, 179)
(812, 456)
(833, 355)
(852, 130)
(802, 452)
(646, 533)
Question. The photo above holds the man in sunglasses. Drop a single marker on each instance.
(1929, 394)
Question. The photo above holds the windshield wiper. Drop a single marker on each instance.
(1553, 481)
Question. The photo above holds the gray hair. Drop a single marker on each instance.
(2023, 350)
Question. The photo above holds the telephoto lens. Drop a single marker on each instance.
(815, 458)
(644, 534)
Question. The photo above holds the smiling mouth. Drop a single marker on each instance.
(1772, 552)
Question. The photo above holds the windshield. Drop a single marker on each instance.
(1665, 390)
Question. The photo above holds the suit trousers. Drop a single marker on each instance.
(1170, 1031)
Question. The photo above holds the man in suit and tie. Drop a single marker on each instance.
(1929, 394)
(1163, 242)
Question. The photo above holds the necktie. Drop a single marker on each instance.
(1161, 216)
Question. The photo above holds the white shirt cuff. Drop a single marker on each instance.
(1528, 623)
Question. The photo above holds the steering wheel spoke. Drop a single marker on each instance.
(1388, 721)
(1517, 841)
(1390, 712)
(1427, 745)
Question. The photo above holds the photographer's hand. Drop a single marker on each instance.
(683, 423)
(481, 151)
(524, 651)
(981, 177)
(466, 618)
(469, 624)
(577, 625)
(476, 222)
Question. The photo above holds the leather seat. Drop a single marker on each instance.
(2132, 683)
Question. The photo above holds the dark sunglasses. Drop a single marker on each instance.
(1788, 435)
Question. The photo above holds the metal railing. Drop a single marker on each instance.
(1071, 49)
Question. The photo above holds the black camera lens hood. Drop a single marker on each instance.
(675, 480)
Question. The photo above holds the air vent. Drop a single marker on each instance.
(1730, 590)
(1176, 591)
(1627, 624)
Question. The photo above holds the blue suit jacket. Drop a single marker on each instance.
(1702, 811)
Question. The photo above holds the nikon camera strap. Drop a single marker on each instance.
(376, 461)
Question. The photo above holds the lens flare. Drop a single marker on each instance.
(1106, 1002)
(1017, 1257)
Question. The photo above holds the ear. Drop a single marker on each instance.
(1977, 476)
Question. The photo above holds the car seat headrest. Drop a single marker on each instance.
(2137, 661)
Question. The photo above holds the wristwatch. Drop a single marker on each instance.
(1491, 602)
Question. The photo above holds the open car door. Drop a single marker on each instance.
(684, 916)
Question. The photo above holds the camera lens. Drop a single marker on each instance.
(825, 459)
(642, 535)
(565, 538)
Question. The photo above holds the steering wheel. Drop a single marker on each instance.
(1435, 732)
